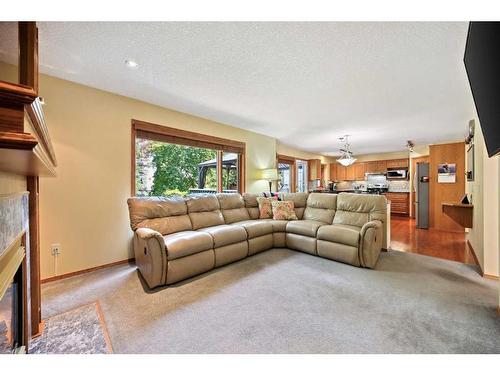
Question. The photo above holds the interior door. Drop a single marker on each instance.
(302, 180)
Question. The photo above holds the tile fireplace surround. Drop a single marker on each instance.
(14, 220)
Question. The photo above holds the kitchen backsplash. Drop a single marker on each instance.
(362, 185)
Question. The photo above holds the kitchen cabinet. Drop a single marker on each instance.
(397, 163)
(350, 175)
(399, 203)
(371, 167)
(382, 166)
(359, 171)
(333, 171)
(341, 173)
(314, 166)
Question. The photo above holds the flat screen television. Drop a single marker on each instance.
(482, 62)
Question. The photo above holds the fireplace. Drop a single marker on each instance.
(14, 274)
(11, 316)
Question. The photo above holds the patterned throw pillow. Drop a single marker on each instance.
(283, 210)
(265, 207)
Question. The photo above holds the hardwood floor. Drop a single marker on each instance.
(440, 244)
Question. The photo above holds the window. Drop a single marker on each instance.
(286, 173)
(301, 176)
(172, 162)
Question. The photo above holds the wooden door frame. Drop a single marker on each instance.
(285, 159)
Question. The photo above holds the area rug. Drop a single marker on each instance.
(78, 331)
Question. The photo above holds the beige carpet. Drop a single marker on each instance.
(282, 301)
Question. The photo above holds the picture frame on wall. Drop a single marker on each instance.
(447, 173)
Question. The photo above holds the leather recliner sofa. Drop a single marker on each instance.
(177, 238)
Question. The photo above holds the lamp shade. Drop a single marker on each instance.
(269, 174)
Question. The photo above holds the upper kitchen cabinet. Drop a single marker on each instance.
(398, 163)
(371, 166)
(359, 171)
(314, 166)
(333, 171)
(350, 173)
(341, 173)
(382, 166)
(25, 145)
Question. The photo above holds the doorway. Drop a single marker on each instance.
(302, 181)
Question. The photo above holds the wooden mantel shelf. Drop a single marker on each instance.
(461, 213)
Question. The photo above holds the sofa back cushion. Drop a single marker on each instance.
(232, 207)
(164, 215)
(299, 202)
(320, 207)
(251, 204)
(358, 209)
(204, 211)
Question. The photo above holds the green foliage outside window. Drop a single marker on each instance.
(176, 168)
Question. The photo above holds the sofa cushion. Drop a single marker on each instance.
(299, 202)
(232, 207)
(225, 234)
(186, 243)
(202, 203)
(304, 227)
(206, 219)
(340, 233)
(256, 228)
(204, 211)
(278, 225)
(358, 209)
(265, 207)
(320, 207)
(251, 204)
(164, 215)
(283, 210)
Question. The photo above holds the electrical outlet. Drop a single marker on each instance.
(55, 249)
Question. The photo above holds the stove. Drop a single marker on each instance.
(377, 188)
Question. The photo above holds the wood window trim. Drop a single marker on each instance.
(292, 161)
(156, 132)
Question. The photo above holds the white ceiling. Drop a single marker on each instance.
(304, 83)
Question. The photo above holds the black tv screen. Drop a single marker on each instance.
(482, 62)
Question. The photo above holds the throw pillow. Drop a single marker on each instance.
(283, 210)
(265, 208)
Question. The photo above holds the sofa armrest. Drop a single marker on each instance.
(370, 243)
(150, 256)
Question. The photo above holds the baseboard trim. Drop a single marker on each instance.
(475, 258)
(491, 277)
(87, 270)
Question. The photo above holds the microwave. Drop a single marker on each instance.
(397, 174)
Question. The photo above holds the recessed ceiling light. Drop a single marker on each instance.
(131, 63)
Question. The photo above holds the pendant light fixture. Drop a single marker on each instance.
(346, 158)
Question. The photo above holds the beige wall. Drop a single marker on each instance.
(11, 183)
(283, 149)
(484, 190)
(84, 208)
(382, 156)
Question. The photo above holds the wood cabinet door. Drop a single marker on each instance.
(341, 172)
(350, 173)
(314, 166)
(397, 163)
(359, 171)
(333, 172)
(371, 167)
(382, 166)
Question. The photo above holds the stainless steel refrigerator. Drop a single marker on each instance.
(421, 184)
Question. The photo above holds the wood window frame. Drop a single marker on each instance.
(162, 133)
(292, 161)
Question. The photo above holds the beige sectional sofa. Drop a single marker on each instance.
(176, 238)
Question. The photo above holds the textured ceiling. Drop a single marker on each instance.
(303, 83)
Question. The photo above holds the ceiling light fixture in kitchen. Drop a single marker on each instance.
(131, 63)
(346, 158)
